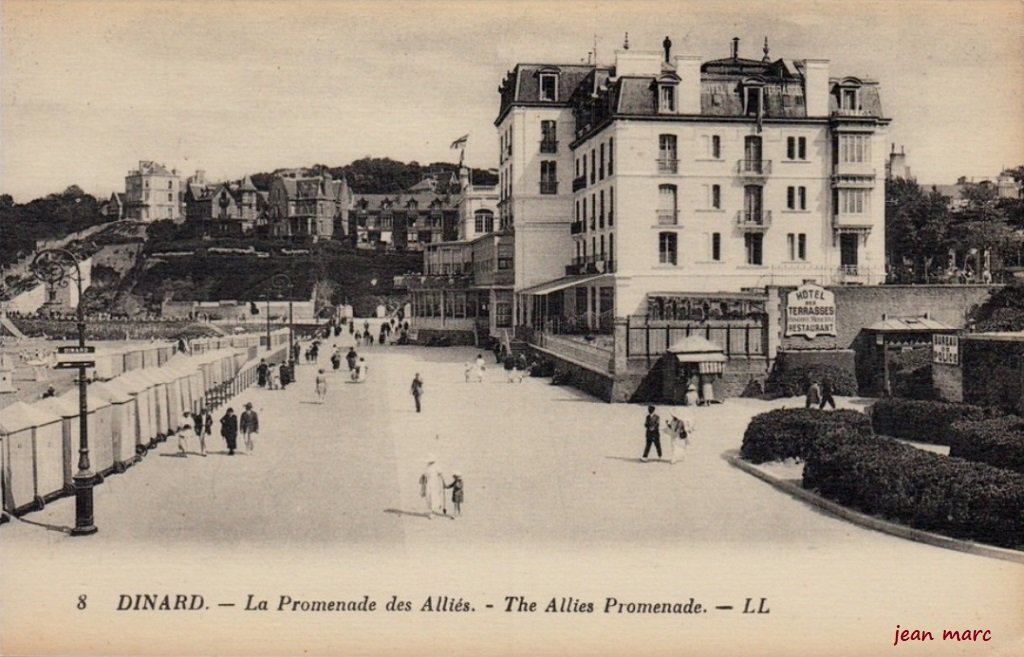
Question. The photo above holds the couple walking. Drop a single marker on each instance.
(679, 429)
(231, 424)
(433, 490)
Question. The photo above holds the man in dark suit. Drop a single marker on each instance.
(653, 432)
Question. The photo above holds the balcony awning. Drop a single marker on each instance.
(566, 281)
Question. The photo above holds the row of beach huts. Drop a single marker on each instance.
(136, 399)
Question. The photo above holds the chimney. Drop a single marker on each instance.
(816, 87)
(667, 45)
(688, 70)
(735, 47)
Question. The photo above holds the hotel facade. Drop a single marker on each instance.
(649, 187)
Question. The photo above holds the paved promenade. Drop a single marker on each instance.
(556, 502)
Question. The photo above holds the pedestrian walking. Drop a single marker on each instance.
(480, 368)
(813, 395)
(680, 429)
(359, 373)
(351, 357)
(417, 390)
(652, 427)
(336, 359)
(456, 486)
(321, 386)
(229, 430)
(826, 394)
(261, 373)
(249, 424)
(510, 367)
(204, 427)
(432, 489)
(286, 373)
(496, 349)
(187, 427)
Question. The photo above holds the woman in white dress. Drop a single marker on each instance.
(680, 429)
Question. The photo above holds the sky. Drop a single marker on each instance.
(87, 89)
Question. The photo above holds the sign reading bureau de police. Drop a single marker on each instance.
(810, 311)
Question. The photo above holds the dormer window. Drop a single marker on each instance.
(667, 94)
(549, 86)
(753, 96)
(847, 93)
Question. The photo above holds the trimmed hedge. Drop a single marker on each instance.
(997, 441)
(897, 482)
(791, 432)
(922, 420)
(793, 381)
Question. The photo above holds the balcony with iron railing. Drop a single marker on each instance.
(754, 220)
(578, 183)
(754, 169)
(852, 221)
(668, 165)
(668, 217)
(849, 111)
(590, 264)
(549, 146)
(549, 187)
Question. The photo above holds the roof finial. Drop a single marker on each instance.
(765, 58)
(735, 47)
(625, 45)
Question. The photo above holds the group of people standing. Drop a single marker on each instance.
(678, 428)
(434, 489)
(273, 376)
(819, 394)
(201, 425)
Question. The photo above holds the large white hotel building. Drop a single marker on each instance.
(660, 176)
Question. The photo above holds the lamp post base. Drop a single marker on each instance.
(84, 522)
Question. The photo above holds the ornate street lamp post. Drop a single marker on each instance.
(55, 267)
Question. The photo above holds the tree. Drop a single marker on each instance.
(916, 229)
(1003, 311)
(982, 225)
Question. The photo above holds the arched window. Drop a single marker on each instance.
(483, 221)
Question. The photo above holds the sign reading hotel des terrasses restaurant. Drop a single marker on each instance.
(810, 311)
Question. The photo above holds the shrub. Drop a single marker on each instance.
(793, 382)
(923, 421)
(790, 432)
(894, 481)
(997, 441)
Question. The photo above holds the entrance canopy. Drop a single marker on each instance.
(566, 282)
(706, 354)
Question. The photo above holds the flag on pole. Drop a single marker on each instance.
(460, 142)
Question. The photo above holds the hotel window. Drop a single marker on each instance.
(548, 177)
(853, 201)
(593, 166)
(170, 184)
(666, 98)
(600, 174)
(667, 252)
(667, 206)
(593, 211)
(601, 215)
(848, 99)
(797, 243)
(584, 168)
(611, 156)
(716, 147)
(855, 148)
(754, 244)
(584, 214)
(716, 246)
(611, 247)
(483, 221)
(577, 167)
(796, 198)
(548, 86)
(170, 198)
(716, 197)
(752, 100)
(548, 137)
(667, 160)
(602, 247)
(611, 206)
(796, 148)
